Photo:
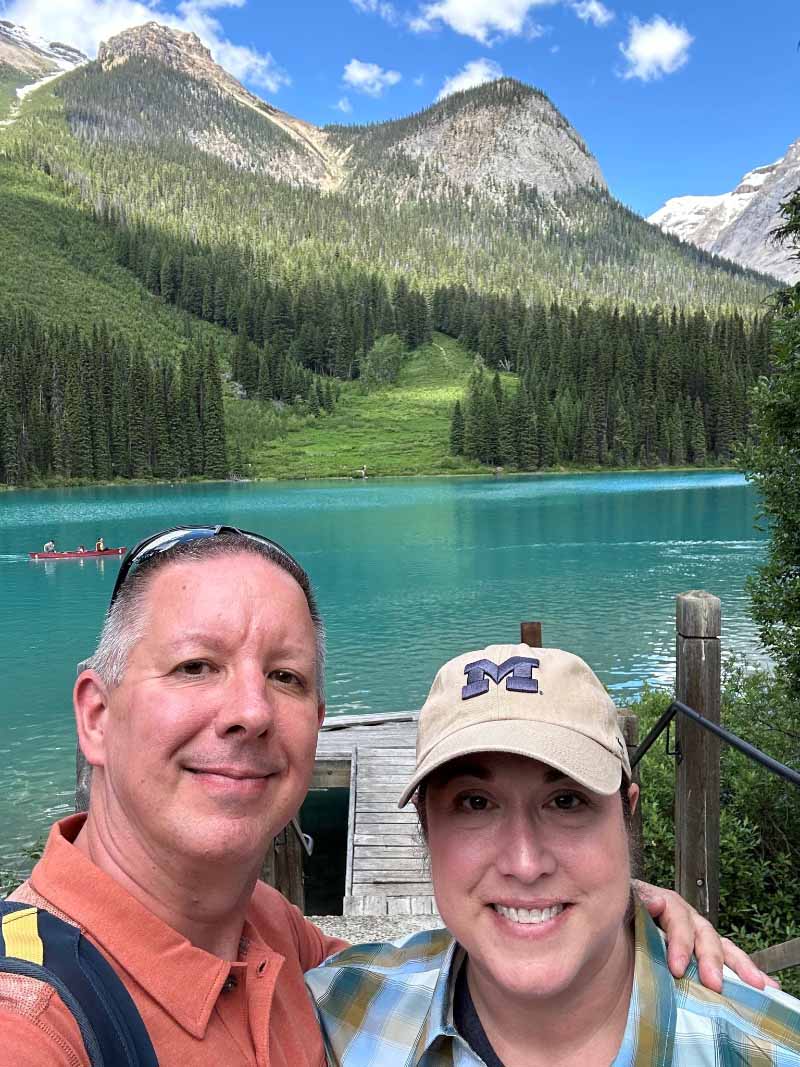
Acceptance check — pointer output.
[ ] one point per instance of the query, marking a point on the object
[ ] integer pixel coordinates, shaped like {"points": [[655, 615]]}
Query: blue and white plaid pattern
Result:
{"points": [[390, 1005]]}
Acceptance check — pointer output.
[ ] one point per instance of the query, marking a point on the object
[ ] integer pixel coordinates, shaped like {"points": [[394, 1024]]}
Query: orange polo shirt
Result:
{"points": [[195, 1015]]}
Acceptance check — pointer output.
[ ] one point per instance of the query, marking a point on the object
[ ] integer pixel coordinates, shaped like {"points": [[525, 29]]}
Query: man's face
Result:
{"points": [[531, 875], [209, 740]]}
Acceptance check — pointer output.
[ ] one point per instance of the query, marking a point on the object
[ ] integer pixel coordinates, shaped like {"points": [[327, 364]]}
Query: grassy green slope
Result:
{"points": [[60, 265], [401, 429], [10, 80]]}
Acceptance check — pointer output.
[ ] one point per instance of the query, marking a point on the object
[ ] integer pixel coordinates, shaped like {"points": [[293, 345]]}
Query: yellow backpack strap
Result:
{"points": [[21, 938], [36, 944]]}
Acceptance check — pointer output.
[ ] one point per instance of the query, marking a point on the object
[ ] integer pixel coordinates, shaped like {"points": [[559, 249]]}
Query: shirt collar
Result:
{"points": [[439, 1021], [650, 1030], [157, 957]]}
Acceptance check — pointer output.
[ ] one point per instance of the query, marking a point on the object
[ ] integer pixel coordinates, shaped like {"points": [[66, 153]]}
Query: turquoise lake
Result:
{"points": [[408, 573]]}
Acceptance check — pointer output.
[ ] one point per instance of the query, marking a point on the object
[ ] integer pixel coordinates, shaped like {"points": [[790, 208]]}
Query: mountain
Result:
{"points": [[26, 62], [490, 188], [737, 224], [163, 229], [300, 154], [507, 134], [501, 135], [24, 51]]}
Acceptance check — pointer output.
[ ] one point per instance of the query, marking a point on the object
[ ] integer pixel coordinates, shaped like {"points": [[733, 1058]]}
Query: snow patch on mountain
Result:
{"points": [[32, 54], [738, 224]]}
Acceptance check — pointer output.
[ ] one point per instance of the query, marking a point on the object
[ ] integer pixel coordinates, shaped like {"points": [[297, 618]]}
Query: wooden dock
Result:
{"points": [[373, 756]]}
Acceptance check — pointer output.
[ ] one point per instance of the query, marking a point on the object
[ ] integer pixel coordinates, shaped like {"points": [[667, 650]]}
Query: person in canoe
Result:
{"points": [[49, 546], [100, 545]]}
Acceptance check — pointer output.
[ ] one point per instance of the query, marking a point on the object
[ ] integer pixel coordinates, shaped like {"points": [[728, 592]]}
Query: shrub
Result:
{"points": [[759, 828]]}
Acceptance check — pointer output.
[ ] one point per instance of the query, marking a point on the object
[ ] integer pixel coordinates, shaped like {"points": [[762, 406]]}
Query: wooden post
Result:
{"points": [[629, 725], [283, 867], [530, 633], [698, 684]]}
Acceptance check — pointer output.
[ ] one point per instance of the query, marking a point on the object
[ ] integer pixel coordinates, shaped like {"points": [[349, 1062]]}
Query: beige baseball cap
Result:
{"points": [[538, 702]]}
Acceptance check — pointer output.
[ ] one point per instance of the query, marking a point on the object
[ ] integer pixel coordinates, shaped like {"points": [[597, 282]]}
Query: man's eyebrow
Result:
{"points": [[195, 637], [192, 640]]}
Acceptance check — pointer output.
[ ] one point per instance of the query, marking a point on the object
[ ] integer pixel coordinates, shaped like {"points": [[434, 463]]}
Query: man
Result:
{"points": [[49, 546], [199, 714]]}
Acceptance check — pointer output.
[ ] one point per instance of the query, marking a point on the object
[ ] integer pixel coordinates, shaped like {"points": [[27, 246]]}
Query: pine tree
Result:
{"points": [[698, 439], [509, 428], [457, 431], [215, 463]]}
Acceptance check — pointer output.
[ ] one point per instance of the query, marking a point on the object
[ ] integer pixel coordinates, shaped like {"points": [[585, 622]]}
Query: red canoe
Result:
{"points": [[78, 555]]}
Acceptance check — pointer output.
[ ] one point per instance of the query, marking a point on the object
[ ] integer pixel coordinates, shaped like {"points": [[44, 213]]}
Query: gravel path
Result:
{"points": [[357, 928]]}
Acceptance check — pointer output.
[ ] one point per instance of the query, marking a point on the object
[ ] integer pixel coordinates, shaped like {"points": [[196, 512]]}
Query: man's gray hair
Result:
{"points": [[125, 622]]}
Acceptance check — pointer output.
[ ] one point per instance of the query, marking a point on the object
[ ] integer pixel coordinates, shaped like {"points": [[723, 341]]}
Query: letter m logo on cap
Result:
{"points": [[518, 670]]}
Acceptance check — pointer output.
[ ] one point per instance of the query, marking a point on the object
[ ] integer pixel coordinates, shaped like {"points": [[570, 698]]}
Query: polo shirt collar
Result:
{"points": [[184, 980]]}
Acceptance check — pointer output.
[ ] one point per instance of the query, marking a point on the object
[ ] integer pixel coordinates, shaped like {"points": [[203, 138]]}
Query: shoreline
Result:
{"points": [[499, 472]]}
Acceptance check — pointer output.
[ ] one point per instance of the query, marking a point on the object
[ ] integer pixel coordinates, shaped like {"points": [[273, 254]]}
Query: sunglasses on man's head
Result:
{"points": [[176, 535]]}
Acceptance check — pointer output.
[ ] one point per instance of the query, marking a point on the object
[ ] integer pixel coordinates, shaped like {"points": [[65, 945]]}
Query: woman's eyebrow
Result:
{"points": [[553, 774], [468, 770]]}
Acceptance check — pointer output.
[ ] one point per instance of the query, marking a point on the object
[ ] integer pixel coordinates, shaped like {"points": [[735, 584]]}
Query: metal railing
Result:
{"points": [[777, 957], [753, 753]]}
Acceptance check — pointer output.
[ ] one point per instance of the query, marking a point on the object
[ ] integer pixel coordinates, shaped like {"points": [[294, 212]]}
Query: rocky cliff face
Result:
{"points": [[485, 138], [33, 55], [503, 134], [312, 161], [737, 224]]}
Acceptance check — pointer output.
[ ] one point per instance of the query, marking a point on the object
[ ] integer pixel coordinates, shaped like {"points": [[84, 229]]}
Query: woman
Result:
{"points": [[523, 789]]}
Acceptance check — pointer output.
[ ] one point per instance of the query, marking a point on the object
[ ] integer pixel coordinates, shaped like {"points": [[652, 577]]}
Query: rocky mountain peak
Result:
{"points": [[487, 138], [506, 133], [26, 52], [180, 50], [311, 162], [737, 224]]}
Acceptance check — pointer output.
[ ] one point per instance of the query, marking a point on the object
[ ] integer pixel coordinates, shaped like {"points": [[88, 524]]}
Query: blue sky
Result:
{"points": [[673, 98]]}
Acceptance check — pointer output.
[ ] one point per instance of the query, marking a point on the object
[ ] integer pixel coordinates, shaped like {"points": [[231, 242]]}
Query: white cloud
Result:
{"points": [[369, 77], [343, 105], [383, 8], [655, 48], [479, 18], [477, 72], [85, 23], [419, 80], [593, 11]]}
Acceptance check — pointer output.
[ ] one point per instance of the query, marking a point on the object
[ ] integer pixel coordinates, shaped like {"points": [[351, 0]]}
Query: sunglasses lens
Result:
{"points": [[167, 539]]}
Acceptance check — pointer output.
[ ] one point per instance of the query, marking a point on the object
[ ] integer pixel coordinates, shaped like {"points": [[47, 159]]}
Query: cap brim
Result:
{"points": [[579, 757]]}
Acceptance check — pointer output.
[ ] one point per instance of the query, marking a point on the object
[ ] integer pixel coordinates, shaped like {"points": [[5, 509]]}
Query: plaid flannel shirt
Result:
{"points": [[391, 1005]]}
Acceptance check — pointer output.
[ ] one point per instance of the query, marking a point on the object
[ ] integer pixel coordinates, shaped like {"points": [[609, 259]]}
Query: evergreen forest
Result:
{"points": [[91, 408], [230, 290]]}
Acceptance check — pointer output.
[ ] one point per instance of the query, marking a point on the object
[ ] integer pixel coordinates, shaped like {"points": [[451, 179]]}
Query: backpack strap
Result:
{"points": [[36, 944]]}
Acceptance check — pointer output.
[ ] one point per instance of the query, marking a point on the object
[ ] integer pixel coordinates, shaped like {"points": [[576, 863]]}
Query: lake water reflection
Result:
{"points": [[408, 572]]}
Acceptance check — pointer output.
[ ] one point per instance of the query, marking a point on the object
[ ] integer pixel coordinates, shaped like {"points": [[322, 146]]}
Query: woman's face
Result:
{"points": [[531, 873]]}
